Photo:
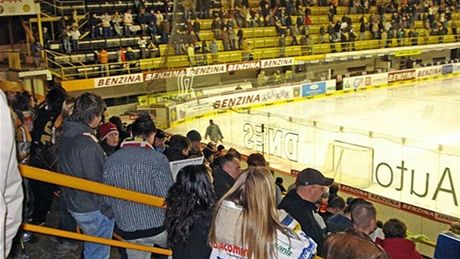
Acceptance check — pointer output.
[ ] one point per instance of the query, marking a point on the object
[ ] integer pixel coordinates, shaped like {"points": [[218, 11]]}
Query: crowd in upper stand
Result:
{"points": [[214, 208], [293, 21]]}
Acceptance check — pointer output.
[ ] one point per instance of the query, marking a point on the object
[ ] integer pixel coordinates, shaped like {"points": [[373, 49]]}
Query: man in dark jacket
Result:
{"points": [[226, 174], [81, 156], [300, 204]]}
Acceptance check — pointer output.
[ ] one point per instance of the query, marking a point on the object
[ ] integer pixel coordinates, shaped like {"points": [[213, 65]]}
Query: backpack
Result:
{"points": [[45, 140]]}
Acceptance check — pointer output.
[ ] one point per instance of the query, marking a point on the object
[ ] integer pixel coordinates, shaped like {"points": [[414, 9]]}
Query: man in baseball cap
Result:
{"points": [[300, 203]]}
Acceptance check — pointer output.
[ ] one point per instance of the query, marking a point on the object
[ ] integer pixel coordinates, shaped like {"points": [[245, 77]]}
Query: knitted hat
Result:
{"points": [[106, 129]]}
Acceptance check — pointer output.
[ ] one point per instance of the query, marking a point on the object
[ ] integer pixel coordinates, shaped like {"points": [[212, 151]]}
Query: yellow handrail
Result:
{"points": [[93, 187], [89, 186], [99, 240]]}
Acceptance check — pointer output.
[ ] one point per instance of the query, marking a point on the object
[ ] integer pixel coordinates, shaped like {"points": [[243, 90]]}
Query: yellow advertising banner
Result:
{"points": [[405, 53], [78, 85]]}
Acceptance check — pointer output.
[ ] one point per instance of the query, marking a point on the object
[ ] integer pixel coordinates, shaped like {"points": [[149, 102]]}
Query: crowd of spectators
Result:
{"points": [[209, 199], [293, 20]]}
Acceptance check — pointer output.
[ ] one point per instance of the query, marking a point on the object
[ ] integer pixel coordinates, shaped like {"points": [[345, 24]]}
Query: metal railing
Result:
{"points": [[60, 8], [97, 188], [176, 61], [106, 190]]}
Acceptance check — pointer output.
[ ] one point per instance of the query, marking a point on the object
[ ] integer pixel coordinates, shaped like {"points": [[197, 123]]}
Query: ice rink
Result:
{"points": [[400, 142], [426, 111]]}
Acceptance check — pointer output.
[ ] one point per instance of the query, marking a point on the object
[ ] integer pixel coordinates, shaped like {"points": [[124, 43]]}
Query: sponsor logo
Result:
{"points": [[418, 210], [235, 101], [232, 249], [379, 79], [119, 80], [445, 218], [243, 66], [278, 62], [401, 75], [278, 142], [425, 72], [284, 250], [206, 70], [447, 69], [314, 89], [184, 84], [354, 191], [386, 201], [274, 94], [164, 74]]}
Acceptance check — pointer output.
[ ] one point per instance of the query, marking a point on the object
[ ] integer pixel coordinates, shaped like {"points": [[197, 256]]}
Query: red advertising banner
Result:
{"points": [[402, 75]]}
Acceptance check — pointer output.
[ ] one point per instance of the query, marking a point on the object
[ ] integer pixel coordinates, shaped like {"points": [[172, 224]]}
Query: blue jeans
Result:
{"points": [[95, 224]]}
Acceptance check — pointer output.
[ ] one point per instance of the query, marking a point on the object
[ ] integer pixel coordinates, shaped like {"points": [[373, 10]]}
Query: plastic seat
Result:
{"points": [[447, 246]]}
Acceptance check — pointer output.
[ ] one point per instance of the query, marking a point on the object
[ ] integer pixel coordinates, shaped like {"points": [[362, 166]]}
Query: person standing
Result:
{"points": [[225, 174], [104, 60], [300, 203], [11, 194], [138, 167], [75, 36], [247, 225], [109, 138], [189, 207], [195, 139], [80, 155], [213, 132]]}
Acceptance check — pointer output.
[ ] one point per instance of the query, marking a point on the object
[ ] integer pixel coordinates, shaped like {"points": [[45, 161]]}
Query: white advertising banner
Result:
{"points": [[19, 7], [118, 80], [357, 82], [206, 70], [243, 66], [416, 176], [277, 62], [429, 71], [200, 106], [176, 166]]}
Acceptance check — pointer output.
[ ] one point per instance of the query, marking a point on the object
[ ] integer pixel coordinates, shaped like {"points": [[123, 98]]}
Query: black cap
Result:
{"points": [[312, 176]]}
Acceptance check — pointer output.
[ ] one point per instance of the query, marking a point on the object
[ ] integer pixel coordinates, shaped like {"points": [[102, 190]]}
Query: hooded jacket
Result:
{"points": [[81, 156], [303, 211]]}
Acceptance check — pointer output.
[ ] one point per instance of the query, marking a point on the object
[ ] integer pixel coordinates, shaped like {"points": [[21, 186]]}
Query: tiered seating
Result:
{"points": [[263, 40]]}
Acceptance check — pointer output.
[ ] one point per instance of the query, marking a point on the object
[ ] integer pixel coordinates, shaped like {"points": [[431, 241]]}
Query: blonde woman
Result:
{"points": [[247, 225]]}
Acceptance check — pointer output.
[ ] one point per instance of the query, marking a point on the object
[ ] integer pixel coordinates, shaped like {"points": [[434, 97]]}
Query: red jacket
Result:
{"points": [[399, 248]]}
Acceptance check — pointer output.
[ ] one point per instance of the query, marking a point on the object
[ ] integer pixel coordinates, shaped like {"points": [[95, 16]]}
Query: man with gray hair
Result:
{"points": [[355, 242]]}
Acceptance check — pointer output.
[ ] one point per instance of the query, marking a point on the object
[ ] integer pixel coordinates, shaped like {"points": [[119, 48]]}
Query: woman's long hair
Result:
{"points": [[191, 197], [254, 192]]}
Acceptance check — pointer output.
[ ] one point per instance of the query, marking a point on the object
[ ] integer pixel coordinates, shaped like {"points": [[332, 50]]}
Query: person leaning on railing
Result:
{"points": [[81, 156], [138, 167]]}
